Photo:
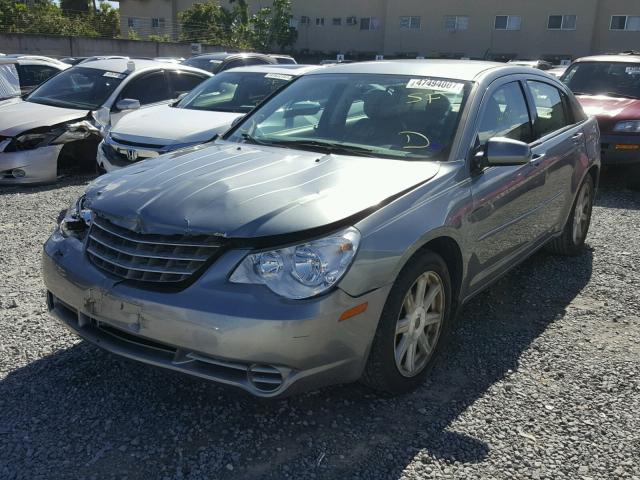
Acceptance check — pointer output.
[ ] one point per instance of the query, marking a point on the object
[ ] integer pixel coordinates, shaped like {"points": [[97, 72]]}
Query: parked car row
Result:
{"points": [[283, 227]]}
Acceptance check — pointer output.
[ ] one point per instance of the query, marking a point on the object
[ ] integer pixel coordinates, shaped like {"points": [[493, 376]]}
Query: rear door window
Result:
{"points": [[551, 105], [183, 82], [148, 88], [34, 75]]}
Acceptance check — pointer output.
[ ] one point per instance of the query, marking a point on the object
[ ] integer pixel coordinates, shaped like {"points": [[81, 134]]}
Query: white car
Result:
{"points": [[58, 126], [199, 117], [36, 69]]}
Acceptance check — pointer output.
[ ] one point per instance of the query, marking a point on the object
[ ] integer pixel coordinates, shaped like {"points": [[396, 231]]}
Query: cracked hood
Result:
{"points": [[248, 191], [19, 116], [165, 125]]}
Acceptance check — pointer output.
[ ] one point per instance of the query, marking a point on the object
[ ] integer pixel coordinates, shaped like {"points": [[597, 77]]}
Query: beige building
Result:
{"points": [[553, 29]]}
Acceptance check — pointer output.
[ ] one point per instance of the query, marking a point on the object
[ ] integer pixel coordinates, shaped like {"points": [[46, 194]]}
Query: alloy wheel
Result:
{"points": [[419, 324], [582, 213]]}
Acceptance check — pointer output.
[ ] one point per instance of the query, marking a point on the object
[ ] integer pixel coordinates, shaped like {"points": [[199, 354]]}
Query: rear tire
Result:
{"points": [[574, 234], [414, 325]]}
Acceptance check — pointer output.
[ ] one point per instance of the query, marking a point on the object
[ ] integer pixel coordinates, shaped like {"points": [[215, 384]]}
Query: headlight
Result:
{"points": [[304, 270], [76, 219], [628, 126], [29, 141]]}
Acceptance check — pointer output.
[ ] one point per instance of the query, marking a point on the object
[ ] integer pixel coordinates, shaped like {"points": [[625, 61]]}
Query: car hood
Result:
{"points": [[247, 191], [603, 106], [19, 116], [165, 125]]}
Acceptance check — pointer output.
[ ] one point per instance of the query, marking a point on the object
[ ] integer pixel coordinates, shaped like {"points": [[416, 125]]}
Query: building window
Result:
{"points": [[454, 23], [370, 23], [304, 20], [157, 23], [412, 23], [508, 22], [319, 21], [625, 22], [562, 22], [337, 21], [352, 21]]}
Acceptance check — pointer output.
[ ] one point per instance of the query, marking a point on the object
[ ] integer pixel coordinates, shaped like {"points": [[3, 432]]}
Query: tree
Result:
{"points": [[204, 22], [283, 34], [236, 28]]}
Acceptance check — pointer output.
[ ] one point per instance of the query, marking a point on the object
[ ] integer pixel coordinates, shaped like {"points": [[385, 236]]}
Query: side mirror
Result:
{"points": [[501, 151], [237, 120], [302, 108], [128, 104]]}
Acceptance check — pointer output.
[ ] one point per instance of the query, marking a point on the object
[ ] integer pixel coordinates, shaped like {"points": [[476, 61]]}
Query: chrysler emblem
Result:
{"points": [[132, 155]]}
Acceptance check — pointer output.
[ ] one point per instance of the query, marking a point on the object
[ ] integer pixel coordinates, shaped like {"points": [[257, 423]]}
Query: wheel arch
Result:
{"points": [[448, 248]]}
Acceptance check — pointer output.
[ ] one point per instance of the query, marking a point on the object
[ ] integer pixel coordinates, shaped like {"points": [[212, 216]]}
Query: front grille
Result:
{"points": [[148, 257]]}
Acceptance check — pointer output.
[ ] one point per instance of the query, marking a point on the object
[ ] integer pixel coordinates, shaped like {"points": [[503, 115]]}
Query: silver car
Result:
{"points": [[205, 112], [332, 234]]}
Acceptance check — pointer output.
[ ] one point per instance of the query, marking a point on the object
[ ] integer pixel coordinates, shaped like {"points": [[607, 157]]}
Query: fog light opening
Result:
{"points": [[18, 173], [264, 377]]}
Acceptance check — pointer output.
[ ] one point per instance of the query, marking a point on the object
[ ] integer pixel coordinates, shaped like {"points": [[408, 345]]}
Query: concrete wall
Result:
{"points": [[606, 40], [62, 46], [533, 40]]}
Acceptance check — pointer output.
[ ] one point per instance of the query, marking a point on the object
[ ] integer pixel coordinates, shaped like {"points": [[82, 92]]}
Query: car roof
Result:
{"points": [[457, 69], [8, 61], [225, 55], [119, 65], [614, 57], [290, 69], [39, 58]]}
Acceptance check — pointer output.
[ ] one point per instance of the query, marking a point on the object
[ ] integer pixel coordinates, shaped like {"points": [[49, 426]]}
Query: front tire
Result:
{"points": [[574, 234], [413, 326]]}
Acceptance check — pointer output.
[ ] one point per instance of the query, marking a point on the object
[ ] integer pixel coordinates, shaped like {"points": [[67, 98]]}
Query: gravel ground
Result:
{"points": [[541, 380]]}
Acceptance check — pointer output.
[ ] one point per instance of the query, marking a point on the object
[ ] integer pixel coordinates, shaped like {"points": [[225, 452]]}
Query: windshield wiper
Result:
{"points": [[327, 147], [248, 138]]}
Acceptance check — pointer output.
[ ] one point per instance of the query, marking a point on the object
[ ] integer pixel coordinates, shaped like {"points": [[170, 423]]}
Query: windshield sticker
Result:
{"points": [[432, 84], [632, 70], [113, 75], [279, 76]]}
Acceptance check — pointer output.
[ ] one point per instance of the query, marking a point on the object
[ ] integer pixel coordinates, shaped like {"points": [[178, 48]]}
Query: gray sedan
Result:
{"points": [[334, 232]]}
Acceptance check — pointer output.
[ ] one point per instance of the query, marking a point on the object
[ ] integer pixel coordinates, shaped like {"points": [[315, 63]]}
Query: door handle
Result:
{"points": [[577, 137], [536, 159]]}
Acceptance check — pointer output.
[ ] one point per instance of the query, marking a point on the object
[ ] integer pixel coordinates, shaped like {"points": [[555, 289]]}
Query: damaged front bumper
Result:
{"points": [[39, 165], [239, 335]]}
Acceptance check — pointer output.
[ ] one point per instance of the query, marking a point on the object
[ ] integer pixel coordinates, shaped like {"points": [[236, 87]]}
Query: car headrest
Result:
{"points": [[379, 104]]}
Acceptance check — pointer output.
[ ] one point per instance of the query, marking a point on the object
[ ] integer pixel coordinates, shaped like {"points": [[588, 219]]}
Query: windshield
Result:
{"points": [[9, 83], [615, 79], [78, 87], [202, 63], [394, 116], [233, 91]]}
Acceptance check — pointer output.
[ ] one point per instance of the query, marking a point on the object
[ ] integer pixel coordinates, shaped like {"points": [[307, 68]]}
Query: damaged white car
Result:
{"points": [[58, 126]]}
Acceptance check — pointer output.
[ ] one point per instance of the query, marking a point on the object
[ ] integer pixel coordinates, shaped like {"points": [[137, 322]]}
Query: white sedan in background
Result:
{"points": [[58, 126], [198, 117]]}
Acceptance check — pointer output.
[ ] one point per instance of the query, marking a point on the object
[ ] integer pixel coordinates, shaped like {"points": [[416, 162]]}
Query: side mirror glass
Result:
{"points": [[501, 151], [128, 104]]}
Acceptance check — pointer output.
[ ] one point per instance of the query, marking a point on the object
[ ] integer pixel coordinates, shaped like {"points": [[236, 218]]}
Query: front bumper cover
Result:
{"points": [[234, 334], [620, 149], [40, 165]]}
